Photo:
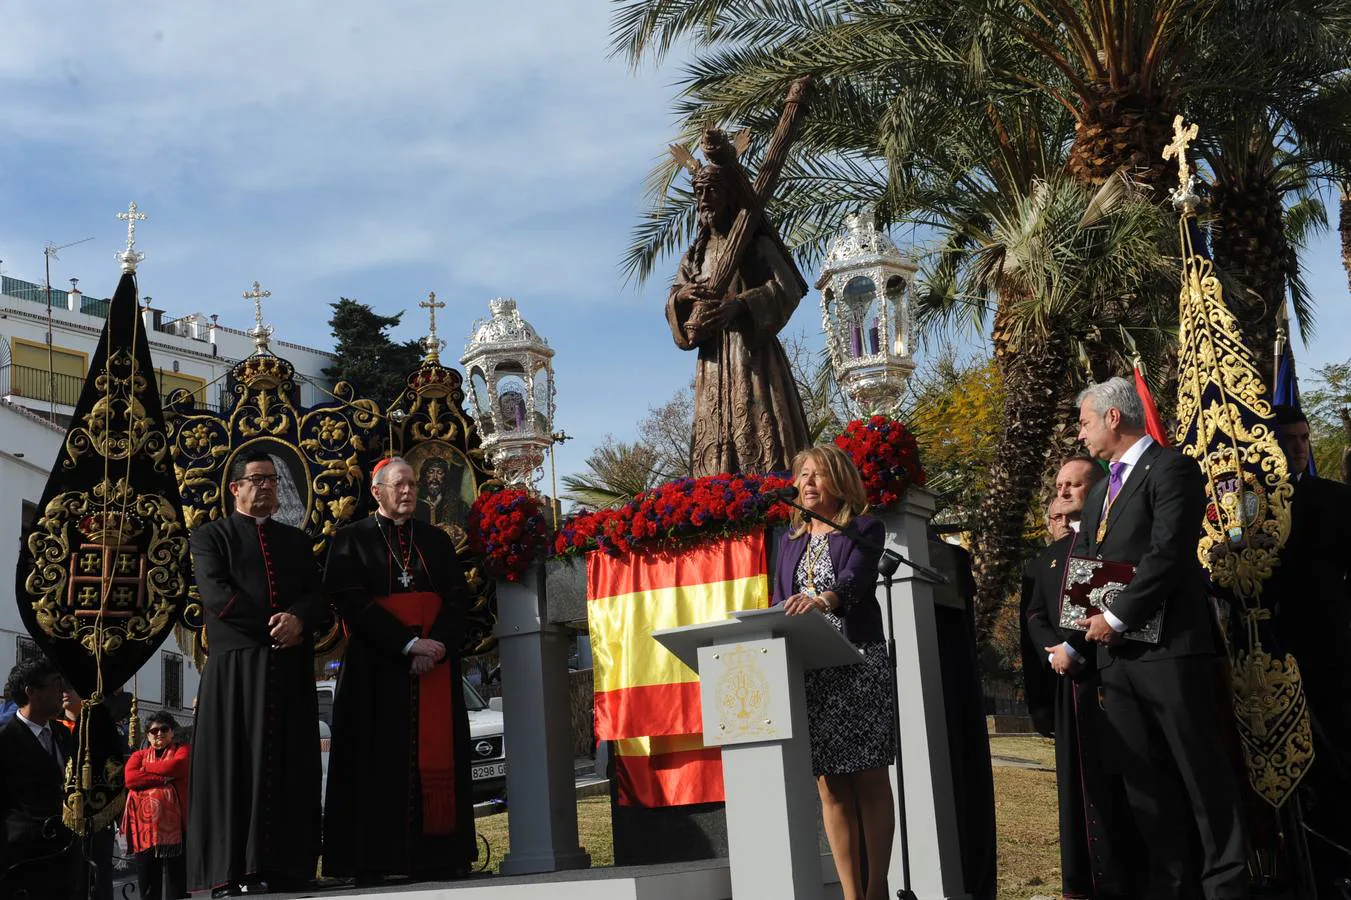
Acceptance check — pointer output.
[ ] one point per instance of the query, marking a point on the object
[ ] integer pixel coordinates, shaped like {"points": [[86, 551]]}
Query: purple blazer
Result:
{"points": [[855, 578]]}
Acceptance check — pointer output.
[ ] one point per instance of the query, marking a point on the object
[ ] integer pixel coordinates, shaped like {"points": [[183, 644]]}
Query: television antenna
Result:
{"points": [[49, 253]]}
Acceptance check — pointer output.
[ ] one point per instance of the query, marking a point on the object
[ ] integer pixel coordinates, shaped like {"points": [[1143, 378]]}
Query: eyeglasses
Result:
{"points": [[260, 480], [159, 730]]}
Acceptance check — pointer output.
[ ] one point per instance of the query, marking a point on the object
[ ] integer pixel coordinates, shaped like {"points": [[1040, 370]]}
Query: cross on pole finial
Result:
{"points": [[1182, 138], [260, 332], [131, 256], [432, 343]]}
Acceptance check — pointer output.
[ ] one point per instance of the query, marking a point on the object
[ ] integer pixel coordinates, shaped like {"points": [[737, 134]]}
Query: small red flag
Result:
{"points": [[1153, 424]]}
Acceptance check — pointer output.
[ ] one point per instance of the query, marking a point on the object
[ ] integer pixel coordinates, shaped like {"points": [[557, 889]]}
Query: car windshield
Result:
{"points": [[473, 700]]}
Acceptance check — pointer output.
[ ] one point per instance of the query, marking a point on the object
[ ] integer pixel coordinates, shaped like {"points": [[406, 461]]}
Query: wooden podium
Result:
{"points": [[751, 669]]}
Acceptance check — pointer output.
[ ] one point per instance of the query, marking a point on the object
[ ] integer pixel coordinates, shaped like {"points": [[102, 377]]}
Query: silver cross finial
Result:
{"points": [[431, 343], [130, 257], [260, 332]]}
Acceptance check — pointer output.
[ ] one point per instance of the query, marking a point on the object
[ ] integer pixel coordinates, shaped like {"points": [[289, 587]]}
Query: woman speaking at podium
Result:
{"points": [[849, 707]]}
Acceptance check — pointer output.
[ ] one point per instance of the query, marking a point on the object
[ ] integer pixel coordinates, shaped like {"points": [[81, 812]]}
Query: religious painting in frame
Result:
{"points": [[446, 486]]}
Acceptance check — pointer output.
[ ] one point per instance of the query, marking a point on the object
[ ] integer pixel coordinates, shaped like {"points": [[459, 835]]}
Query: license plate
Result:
{"points": [[488, 770]]}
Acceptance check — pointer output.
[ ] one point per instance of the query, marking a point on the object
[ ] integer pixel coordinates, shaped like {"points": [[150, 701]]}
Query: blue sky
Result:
{"points": [[375, 152]]}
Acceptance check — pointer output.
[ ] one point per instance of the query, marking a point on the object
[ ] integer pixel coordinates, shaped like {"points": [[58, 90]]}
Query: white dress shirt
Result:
{"points": [[1129, 458], [46, 739]]}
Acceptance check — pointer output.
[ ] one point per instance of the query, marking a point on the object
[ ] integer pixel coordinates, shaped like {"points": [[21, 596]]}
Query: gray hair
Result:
{"points": [[379, 477], [1119, 394]]}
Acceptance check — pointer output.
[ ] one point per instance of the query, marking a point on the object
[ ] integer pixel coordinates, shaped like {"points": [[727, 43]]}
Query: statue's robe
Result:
{"points": [[253, 809], [747, 412], [399, 791]]}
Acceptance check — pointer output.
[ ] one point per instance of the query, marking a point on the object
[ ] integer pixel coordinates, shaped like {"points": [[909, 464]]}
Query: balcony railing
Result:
{"points": [[39, 385]]}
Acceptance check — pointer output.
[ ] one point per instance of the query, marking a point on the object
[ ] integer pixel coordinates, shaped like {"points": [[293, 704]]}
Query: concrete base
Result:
{"points": [[702, 880]]}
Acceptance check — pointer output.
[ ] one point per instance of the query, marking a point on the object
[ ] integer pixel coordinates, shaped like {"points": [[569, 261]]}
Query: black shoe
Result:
{"points": [[256, 886], [229, 889]]}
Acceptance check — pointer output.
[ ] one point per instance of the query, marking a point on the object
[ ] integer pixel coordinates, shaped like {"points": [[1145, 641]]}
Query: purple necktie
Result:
{"points": [[1114, 480]]}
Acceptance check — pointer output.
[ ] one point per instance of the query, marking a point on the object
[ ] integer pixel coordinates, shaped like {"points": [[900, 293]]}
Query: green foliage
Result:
{"points": [[954, 407], [1327, 407], [616, 473], [375, 366]]}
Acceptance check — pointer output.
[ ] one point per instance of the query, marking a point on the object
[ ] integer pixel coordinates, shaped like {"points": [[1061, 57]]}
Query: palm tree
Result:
{"points": [[617, 472], [1344, 227]]}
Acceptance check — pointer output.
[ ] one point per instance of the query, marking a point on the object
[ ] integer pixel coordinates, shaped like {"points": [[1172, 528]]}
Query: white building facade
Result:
{"points": [[44, 358]]}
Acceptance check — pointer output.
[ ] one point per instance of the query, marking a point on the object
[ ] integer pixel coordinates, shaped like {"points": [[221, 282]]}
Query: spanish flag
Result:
{"points": [[647, 700]]}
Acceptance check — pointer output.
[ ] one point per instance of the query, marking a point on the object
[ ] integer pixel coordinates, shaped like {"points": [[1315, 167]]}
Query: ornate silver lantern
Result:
{"points": [[865, 289], [511, 378]]}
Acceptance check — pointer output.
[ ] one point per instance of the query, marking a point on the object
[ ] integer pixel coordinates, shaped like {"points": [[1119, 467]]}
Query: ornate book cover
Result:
{"points": [[1089, 588]]}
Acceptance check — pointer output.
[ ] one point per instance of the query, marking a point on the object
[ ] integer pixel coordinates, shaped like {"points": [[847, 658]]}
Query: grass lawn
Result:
{"points": [[1025, 809]]}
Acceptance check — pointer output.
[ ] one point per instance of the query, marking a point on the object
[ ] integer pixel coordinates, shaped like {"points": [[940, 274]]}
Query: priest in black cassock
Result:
{"points": [[399, 793], [253, 808], [1062, 686]]}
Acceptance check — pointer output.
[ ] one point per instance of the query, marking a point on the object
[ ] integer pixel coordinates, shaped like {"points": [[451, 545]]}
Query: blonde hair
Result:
{"points": [[843, 479]]}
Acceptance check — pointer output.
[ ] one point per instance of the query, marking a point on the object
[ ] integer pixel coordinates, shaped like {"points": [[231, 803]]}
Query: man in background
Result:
{"points": [[1311, 595], [39, 857]]}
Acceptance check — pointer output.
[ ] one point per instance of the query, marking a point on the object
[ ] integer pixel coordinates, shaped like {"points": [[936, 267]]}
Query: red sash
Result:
{"points": [[435, 727]]}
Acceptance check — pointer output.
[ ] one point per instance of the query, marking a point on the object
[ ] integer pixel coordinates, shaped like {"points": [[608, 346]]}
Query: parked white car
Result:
{"points": [[487, 743]]}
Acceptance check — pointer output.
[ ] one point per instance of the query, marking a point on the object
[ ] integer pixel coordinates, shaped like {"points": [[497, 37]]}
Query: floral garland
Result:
{"points": [[508, 531], [886, 455], [675, 513]]}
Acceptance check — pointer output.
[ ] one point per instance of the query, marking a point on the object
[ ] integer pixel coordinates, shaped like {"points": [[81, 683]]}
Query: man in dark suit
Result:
{"points": [[1160, 698], [39, 855], [1311, 595]]}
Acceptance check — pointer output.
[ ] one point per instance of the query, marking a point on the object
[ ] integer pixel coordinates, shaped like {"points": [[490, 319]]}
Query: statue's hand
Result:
{"points": [[724, 313], [694, 292]]}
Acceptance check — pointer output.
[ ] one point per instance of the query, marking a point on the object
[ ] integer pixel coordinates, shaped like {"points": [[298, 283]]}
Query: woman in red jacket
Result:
{"points": [[155, 823]]}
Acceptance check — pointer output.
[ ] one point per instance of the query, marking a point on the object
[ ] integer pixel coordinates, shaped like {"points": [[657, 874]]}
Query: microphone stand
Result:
{"points": [[887, 564]]}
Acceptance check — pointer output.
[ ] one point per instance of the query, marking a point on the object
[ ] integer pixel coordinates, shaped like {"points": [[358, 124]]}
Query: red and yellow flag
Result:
{"points": [[647, 701]]}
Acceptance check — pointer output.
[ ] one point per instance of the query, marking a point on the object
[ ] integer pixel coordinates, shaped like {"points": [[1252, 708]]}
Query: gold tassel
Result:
{"points": [[134, 726]]}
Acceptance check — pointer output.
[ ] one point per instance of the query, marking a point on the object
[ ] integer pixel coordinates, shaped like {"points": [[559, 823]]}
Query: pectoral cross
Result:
{"points": [[432, 343], [260, 332], [405, 579], [131, 256]]}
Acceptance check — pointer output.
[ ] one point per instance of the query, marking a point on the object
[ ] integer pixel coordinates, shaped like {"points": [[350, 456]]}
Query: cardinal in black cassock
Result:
{"points": [[253, 808], [399, 793], [1095, 828]]}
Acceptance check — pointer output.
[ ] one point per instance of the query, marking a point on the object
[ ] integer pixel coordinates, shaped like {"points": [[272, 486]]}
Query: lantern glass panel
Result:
{"points": [[482, 403], [859, 296], [511, 401], [895, 293], [541, 404]]}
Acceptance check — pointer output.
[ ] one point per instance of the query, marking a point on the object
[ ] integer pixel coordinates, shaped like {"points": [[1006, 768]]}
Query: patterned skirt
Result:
{"points": [[849, 714]]}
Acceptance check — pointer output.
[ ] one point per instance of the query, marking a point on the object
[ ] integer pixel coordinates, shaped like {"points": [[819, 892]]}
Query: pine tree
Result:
{"points": [[375, 366]]}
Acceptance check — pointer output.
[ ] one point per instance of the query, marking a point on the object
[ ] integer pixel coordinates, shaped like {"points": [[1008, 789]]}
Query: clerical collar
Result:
{"points": [[260, 520], [394, 522]]}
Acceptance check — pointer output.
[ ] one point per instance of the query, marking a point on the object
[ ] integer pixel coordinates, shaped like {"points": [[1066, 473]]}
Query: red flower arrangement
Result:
{"points": [[508, 531], [675, 513], [886, 455]]}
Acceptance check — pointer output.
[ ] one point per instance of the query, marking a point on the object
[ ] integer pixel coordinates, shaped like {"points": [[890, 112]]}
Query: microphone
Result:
{"points": [[780, 494]]}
